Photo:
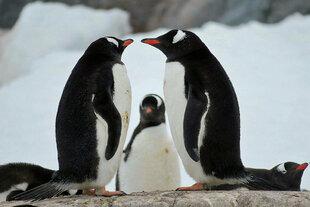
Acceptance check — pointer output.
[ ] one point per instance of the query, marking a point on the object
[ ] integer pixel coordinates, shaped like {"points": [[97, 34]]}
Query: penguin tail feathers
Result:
{"points": [[253, 182], [46, 190]]}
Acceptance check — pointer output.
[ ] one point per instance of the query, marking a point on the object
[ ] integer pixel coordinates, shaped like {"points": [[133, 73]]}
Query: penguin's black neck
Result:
{"points": [[142, 125], [97, 59], [146, 124]]}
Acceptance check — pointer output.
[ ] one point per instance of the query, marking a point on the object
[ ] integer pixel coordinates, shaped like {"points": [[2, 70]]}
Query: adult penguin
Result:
{"points": [[203, 113], [287, 174], [91, 123]]}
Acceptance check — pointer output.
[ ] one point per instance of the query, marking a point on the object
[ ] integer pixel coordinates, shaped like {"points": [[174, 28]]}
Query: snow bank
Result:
{"points": [[267, 64], [48, 27]]}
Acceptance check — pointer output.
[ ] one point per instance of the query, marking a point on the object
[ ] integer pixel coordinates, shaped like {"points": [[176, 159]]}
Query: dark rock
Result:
{"points": [[147, 15], [194, 13], [267, 11], [10, 10]]}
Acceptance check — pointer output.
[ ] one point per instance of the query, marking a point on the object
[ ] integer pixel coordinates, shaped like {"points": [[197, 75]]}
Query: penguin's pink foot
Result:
{"points": [[197, 186], [103, 192], [89, 191]]}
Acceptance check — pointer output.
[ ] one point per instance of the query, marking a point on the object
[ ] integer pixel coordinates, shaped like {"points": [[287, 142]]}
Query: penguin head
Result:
{"points": [[289, 174], [152, 109], [108, 47], [176, 43]]}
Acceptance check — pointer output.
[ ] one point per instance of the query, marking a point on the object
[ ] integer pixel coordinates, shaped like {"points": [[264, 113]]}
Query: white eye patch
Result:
{"points": [[281, 168], [159, 101], [112, 41], [180, 35]]}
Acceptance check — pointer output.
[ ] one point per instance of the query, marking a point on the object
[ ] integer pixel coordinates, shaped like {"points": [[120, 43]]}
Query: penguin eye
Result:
{"points": [[112, 41], [179, 36]]}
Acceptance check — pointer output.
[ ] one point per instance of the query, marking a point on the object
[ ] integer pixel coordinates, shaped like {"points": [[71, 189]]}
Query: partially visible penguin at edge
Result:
{"points": [[287, 174], [150, 161], [16, 178]]}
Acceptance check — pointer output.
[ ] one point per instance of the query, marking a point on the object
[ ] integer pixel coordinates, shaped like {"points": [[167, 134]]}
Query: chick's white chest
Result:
{"points": [[152, 163]]}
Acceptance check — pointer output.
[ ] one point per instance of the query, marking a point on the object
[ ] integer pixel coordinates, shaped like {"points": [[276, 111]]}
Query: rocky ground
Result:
{"points": [[177, 198]]}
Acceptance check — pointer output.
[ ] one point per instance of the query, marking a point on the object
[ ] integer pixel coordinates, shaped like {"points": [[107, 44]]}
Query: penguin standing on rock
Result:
{"points": [[91, 123], [150, 161], [203, 113]]}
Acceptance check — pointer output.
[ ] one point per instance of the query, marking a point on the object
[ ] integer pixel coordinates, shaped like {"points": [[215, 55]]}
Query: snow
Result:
{"points": [[44, 28], [267, 64]]}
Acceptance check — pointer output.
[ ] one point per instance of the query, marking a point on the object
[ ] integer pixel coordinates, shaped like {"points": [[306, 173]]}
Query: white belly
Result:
{"points": [[152, 164], [174, 89], [122, 101]]}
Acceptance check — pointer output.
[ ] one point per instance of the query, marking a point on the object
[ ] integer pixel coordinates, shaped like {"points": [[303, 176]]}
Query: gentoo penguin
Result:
{"points": [[287, 174], [19, 177], [91, 123], [150, 161], [203, 113]]}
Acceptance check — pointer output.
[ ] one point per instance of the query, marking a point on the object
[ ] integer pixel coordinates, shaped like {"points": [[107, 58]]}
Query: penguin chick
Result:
{"points": [[150, 161]]}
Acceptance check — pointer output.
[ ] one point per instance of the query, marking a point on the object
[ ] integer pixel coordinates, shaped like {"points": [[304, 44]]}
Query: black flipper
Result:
{"points": [[47, 190], [105, 107], [195, 108], [12, 194]]}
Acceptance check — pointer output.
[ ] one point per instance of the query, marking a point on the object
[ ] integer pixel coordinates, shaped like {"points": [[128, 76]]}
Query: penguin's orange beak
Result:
{"points": [[149, 110], [302, 166], [150, 41], [127, 42]]}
